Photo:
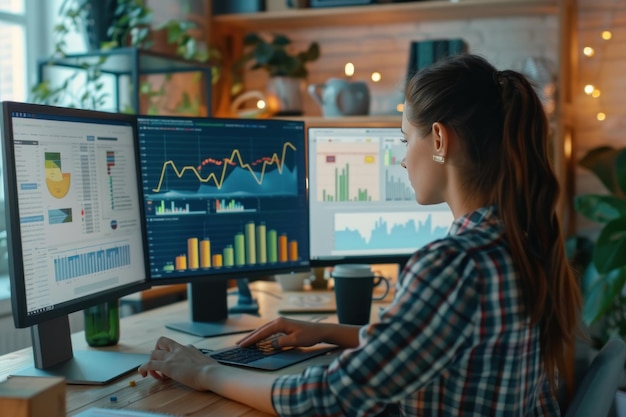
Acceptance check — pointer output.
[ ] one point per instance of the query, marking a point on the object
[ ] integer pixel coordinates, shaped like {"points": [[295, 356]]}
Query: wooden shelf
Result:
{"points": [[383, 13], [353, 121]]}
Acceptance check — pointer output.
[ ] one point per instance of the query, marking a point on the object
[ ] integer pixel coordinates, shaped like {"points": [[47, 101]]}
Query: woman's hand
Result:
{"points": [[185, 364], [284, 332]]}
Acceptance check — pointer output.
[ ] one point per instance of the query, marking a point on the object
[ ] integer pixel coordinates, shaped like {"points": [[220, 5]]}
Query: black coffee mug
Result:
{"points": [[354, 284]]}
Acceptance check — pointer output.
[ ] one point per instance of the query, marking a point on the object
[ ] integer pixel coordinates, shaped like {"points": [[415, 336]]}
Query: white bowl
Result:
{"points": [[293, 281]]}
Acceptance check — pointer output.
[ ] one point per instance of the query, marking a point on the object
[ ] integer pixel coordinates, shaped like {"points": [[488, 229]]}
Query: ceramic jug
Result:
{"points": [[339, 97]]}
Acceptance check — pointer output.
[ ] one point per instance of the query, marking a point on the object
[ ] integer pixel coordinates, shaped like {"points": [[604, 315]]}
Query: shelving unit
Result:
{"points": [[126, 66], [382, 13]]}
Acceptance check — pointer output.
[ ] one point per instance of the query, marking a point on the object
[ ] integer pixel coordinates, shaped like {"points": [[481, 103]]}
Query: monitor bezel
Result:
{"points": [[367, 259], [21, 317]]}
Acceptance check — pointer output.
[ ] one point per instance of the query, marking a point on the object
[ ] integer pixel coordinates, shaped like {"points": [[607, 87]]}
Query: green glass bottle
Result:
{"points": [[102, 324]]}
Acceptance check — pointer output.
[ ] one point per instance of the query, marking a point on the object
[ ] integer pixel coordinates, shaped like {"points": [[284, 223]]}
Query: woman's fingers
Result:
{"points": [[261, 333], [283, 332], [165, 343]]}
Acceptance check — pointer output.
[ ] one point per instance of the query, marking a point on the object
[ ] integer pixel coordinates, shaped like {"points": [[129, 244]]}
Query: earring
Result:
{"points": [[439, 159]]}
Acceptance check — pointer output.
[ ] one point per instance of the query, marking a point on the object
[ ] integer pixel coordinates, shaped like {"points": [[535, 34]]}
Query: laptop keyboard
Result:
{"points": [[244, 355], [265, 357]]}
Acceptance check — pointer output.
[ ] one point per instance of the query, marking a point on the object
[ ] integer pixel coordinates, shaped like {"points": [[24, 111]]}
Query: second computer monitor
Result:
{"points": [[224, 198], [361, 203]]}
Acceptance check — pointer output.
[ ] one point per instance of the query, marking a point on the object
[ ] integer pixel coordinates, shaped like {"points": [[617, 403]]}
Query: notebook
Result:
{"points": [[252, 357], [308, 303]]}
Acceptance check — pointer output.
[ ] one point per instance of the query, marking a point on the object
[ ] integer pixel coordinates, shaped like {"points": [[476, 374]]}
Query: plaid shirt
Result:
{"points": [[455, 341]]}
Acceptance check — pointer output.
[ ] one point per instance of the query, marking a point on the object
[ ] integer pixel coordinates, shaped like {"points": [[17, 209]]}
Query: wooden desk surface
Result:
{"points": [[138, 334]]}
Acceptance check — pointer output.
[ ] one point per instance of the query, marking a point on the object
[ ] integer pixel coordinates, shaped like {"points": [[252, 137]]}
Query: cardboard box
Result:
{"points": [[33, 396]]}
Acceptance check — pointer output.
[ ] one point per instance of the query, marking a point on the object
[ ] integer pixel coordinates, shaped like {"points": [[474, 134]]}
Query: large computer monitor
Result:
{"points": [[362, 206], [224, 199], [74, 227]]}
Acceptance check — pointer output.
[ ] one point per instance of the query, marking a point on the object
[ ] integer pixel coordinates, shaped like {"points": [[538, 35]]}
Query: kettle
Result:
{"points": [[339, 97]]}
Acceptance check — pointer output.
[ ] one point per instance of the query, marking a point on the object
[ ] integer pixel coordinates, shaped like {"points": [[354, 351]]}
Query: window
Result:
{"points": [[25, 28], [13, 50], [13, 86]]}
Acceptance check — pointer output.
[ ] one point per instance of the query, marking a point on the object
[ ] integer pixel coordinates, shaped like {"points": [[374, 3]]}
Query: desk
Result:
{"points": [[138, 334]]}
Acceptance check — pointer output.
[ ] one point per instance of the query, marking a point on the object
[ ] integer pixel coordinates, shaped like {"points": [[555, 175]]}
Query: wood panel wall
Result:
{"points": [[606, 70]]}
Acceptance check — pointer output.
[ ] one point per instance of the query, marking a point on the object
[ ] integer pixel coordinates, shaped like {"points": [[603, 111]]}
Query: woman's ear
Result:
{"points": [[440, 140]]}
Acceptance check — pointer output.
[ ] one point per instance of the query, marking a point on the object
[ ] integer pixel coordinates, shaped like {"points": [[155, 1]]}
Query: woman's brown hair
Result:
{"points": [[505, 134]]}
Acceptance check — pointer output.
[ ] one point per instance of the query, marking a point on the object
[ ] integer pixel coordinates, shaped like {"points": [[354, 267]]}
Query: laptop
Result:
{"points": [[256, 358]]}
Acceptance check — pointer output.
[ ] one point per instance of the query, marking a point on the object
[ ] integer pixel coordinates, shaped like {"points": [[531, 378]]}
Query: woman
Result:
{"points": [[482, 318]]}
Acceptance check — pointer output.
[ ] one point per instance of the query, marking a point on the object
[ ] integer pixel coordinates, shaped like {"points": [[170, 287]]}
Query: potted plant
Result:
{"points": [[601, 264], [128, 24], [286, 69], [604, 278]]}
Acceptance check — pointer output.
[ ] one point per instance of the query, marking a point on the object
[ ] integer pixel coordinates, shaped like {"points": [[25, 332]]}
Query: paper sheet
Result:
{"points": [[117, 412]]}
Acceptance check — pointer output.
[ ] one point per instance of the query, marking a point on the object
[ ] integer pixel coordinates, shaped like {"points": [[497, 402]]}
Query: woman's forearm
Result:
{"points": [[250, 388], [342, 335]]}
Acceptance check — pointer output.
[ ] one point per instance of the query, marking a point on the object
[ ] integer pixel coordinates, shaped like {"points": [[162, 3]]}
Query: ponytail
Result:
{"points": [[527, 196]]}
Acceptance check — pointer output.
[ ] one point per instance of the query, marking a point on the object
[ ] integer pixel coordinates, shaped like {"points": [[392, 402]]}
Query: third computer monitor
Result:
{"points": [[362, 206], [224, 198]]}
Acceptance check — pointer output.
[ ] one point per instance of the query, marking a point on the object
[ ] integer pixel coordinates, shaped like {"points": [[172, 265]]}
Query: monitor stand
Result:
{"points": [[210, 315], [54, 356], [245, 302]]}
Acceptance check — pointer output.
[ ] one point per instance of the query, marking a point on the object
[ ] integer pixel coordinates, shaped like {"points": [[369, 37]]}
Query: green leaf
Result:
{"points": [[264, 53], [313, 52], [600, 208], [589, 278], [216, 74], [252, 39], [601, 161], [105, 46], [173, 33], [620, 170], [281, 40], [579, 250], [610, 250], [599, 299], [203, 56]]}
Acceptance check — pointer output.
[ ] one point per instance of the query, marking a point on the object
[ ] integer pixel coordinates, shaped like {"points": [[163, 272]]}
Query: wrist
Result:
{"points": [[207, 378], [341, 335]]}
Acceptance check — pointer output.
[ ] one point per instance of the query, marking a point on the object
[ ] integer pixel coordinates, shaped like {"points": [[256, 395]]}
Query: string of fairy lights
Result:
{"points": [[591, 51]]}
